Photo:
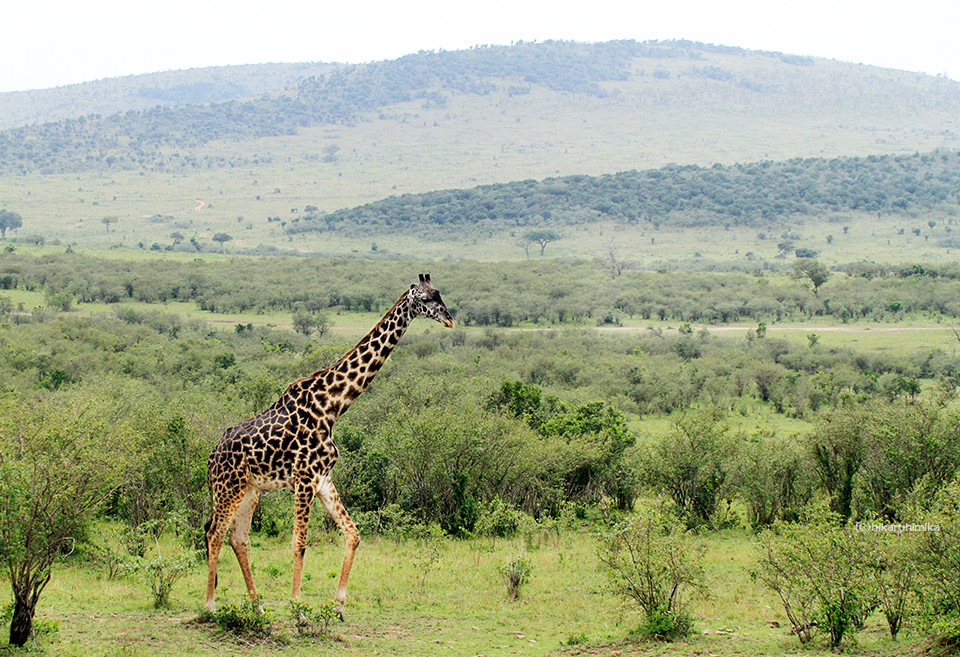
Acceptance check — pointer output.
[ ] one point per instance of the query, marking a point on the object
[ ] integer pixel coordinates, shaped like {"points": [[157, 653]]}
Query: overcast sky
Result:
{"points": [[49, 43]]}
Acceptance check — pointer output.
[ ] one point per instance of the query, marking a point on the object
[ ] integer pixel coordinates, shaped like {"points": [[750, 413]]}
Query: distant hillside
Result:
{"points": [[139, 92], [668, 79], [758, 194]]}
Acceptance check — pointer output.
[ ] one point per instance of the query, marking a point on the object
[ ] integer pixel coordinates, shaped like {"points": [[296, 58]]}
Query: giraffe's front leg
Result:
{"points": [[331, 502], [303, 496]]}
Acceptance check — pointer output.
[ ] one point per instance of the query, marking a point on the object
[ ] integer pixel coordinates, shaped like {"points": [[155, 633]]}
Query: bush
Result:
{"points": [[653, 561], [174, 476], [664, 626], [894, 574], [689, 464], [939, 565], [769, 475], [821, 572], [313, 620], [245, 617], [498, 519], [516, 574], [162, 573], [440, 461]]}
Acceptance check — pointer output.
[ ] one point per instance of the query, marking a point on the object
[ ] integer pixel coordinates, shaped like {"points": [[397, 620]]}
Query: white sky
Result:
{"points": [[49, 43]]}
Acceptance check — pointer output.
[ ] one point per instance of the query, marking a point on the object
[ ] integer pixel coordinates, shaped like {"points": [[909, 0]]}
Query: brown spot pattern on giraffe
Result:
{"points": [[290, 445]]}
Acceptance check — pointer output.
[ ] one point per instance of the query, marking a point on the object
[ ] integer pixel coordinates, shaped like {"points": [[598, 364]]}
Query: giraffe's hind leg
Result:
{"points": [[225, 509], [331, 502], [303, 495], [240, 536]]}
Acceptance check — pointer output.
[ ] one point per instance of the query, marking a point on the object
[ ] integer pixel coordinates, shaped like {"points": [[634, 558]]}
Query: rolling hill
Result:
{"points": [[443, 120], [141, 92]]}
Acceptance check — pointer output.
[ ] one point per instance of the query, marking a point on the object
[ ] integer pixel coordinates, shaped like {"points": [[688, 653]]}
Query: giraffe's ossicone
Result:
{"points": [[290, 445]]}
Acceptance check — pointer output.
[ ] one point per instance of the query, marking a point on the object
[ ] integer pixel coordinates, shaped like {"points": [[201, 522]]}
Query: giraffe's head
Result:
{"points": [[426, 301]]}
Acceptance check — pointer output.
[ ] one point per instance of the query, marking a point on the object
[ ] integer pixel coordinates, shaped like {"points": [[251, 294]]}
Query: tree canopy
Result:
{"points": [[9, 221], [754, 194]]}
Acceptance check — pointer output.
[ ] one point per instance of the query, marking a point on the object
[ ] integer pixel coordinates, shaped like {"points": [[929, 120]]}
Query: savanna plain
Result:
{"points": [[700, 398]]}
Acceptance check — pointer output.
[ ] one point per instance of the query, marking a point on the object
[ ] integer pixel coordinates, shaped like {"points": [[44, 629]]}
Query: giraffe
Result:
{"points": [[290, 445]]}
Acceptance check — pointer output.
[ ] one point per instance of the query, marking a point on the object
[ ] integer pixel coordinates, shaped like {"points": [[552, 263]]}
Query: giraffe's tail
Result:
{"points": [[208, 523], [206, 533]]}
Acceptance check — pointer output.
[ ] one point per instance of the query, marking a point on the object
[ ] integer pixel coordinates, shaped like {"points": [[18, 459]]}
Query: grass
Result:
{"points": [[462, 607]]}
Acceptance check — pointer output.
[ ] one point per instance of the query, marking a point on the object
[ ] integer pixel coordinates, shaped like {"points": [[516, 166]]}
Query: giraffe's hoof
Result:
{"points": [[338, 610]]}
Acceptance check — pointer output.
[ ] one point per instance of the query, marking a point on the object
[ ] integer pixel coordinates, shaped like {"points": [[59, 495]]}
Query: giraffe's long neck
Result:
{"points": [[335, 388]]}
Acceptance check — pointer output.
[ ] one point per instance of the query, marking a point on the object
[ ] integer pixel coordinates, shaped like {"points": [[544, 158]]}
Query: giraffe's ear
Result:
{"points": [[413, 286]]}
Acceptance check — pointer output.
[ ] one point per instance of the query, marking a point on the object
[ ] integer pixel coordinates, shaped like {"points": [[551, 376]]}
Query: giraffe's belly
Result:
{"points": [[269, 476], [269, 483]]}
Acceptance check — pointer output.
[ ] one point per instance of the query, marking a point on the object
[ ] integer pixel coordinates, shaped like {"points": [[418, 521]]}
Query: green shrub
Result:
{"points": [[665, 626], [653, 561], [938, 556], [690, 464], [821, 571], [498, 519], [313, 620], [516, 574], [769, 474], [162, 573], [245, 617]]}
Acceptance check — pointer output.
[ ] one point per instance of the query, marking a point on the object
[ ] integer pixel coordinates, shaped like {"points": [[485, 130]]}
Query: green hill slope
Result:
{"points": [[140, 92], [653, 79], [444, 120], [755, 195]]}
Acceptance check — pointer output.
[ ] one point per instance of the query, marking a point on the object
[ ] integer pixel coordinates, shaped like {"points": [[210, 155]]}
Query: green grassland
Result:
{"points": [[405, 599]]}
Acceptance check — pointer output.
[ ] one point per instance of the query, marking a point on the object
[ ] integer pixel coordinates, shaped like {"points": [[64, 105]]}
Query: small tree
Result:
{"points": [[688, 464], [893, 570], [106, 221], [542, 237], [653, 561], [222, 238], [9, 220], [812, 269], [306, 323], [612, 261], [939, 564], [58, 460]]}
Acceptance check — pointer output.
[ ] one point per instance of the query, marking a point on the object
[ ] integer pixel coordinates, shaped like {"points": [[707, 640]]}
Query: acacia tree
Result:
{"points": [[222, 238], [812, 269], [58, 460], [106, 221], [9, 220], [542, 237], [305, 322]]}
